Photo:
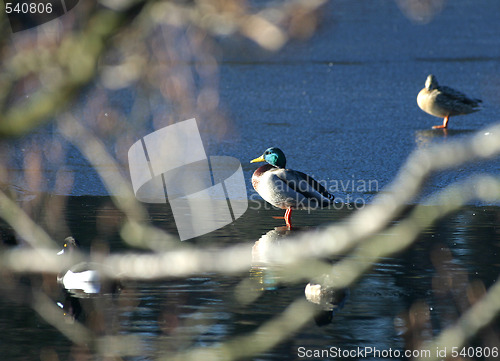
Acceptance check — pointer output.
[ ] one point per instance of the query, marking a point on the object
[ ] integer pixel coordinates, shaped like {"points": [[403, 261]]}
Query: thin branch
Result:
{"points": [[135, 231], [77, 56], [24, 226], [47, 309], [480, 315]]}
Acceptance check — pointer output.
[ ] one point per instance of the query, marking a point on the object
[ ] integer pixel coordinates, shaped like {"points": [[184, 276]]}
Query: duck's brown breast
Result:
{"points": [[258, 173]]}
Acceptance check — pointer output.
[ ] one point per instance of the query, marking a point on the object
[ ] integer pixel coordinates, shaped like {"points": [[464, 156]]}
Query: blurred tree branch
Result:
{"points": [[76, 59], [480, 315], [73, 64]]}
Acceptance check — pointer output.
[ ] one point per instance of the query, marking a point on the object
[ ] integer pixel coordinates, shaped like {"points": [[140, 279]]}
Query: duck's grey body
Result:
{"points": [[444, 102], [289, 189]]}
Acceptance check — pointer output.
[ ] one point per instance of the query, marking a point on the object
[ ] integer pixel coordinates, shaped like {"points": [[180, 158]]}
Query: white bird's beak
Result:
{"points": [[60, 252]]}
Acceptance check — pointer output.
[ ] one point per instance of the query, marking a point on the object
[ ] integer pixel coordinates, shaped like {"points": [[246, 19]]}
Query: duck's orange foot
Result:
{"points": [[288, 218], [444, 125]]}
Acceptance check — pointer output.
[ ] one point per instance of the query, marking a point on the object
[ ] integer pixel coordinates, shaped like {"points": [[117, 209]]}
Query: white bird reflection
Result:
{"points": [[266, 271], [264, 248]]}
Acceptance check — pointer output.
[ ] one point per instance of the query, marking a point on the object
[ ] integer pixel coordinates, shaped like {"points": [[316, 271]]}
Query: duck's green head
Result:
{"points": [[273, 156], [431, 82]]}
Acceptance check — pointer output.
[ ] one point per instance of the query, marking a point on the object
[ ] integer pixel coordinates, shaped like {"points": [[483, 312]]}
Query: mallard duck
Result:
{"points": [[285, 188], [444, 102]]}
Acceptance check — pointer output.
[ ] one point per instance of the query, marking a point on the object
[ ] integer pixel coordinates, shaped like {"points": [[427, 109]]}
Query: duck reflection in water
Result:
{"points": [[428, 137], [267, 244], [265, 267], [71, 306], [266, 270]]}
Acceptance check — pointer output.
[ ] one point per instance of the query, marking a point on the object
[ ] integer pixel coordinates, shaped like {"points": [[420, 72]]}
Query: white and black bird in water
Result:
{"points": [[81, 276], [84, 277], [445, 102]]}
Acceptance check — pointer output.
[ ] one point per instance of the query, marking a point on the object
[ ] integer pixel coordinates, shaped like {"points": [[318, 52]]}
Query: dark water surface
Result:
{"points": [[202, 310]]}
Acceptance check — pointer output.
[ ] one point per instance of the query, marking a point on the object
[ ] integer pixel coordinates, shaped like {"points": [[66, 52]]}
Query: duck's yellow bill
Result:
{"points": [[260, 159]]}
